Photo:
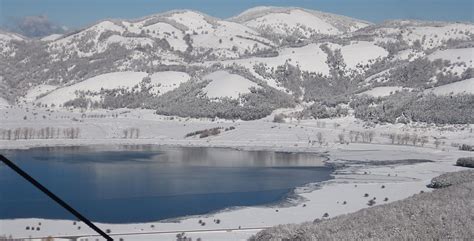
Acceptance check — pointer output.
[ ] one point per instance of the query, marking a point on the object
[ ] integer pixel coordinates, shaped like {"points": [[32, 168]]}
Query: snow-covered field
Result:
{"points": [[166, 81], [382, 91], [350, 183], [361, 52], [95, 84], [224, 84], [460, 87], [3, 102]]}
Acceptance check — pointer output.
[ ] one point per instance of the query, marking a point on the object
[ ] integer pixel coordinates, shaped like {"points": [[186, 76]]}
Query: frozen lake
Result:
{"points": [[130, 184]]}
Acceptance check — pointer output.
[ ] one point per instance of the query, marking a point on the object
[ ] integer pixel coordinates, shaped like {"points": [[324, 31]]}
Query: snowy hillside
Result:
{"points": [[37, 91], [163, 82], [183, 31], [3, 102], [460, 87], [382, 91], [286, 21], [189, 64], [6, 39], [224, 84], [93, 86], [51, 37], [361, 53], [421, 35]]}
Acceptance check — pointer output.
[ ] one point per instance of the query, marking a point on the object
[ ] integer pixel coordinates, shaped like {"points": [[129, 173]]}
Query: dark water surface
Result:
{"points": [[129, 184]]}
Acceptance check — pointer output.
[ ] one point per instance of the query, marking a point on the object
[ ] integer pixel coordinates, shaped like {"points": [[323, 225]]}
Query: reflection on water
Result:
{"points": [[121, 184]]}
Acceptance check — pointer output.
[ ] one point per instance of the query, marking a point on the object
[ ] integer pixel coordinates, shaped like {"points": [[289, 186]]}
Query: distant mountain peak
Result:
{"points": [[285, 20]]}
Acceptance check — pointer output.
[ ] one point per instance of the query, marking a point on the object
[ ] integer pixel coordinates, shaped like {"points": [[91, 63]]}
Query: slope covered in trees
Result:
{"points": [[285, 57]]}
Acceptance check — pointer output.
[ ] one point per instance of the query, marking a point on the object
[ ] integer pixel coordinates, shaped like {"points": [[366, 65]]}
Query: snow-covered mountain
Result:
{"points": [[262, 59], [297, 21], [7, 39], [169, 34]]}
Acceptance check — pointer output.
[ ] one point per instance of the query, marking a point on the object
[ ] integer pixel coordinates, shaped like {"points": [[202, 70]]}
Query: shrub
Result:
{"points": [[465, 147], [465, 162], [279, 118], [206, 132], [449, 179]]}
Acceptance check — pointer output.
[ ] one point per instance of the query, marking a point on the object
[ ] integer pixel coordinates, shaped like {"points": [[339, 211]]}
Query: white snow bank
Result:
{"points": [[95, 84], [382, 91], [5, 36], [166, 81], [460, 87], [361, 52], [3, 102], [224, 84], [284, 23], [51, 37], [465, 55], [38, 90]]}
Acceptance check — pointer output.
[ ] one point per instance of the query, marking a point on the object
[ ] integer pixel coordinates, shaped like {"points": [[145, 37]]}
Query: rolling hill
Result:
{"points": [[248, 61]]}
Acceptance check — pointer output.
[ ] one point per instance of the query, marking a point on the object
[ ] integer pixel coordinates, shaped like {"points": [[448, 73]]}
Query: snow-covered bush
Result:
{"points": [[465, 162]]}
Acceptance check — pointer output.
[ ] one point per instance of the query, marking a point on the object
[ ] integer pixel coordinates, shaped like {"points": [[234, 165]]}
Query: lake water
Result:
{"points": [[129, 184]]}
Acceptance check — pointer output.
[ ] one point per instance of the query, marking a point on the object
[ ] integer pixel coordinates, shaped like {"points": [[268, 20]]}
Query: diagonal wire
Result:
{"points": [[58, 200]]}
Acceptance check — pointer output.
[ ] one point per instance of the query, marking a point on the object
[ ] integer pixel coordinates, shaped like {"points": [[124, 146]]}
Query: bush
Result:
{"points": [[206, 132], [279, 118], [449, 179], [465, 162], [465, 147]]}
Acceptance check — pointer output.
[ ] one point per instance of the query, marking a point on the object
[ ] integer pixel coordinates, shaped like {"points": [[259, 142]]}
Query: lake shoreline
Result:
{"points": [[405, 181]]}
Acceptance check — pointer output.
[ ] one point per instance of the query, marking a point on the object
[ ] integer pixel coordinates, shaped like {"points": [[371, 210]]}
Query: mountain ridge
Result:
{"points": [[275, 58]]}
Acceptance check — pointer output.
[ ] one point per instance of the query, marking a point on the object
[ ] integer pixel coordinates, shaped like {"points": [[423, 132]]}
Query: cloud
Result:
{"points": [[34, 26]]}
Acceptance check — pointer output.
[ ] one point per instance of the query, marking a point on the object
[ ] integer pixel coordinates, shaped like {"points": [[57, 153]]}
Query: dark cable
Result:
{"points": [[54, 197]]}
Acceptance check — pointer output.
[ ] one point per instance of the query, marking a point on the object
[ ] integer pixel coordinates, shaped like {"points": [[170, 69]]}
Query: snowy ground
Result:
{"points": [[350, 183]]}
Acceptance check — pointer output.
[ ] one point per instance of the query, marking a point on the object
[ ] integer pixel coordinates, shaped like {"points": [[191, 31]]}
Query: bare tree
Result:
{"points": [[351, 136], [357, 136], [414, 139], [371, 136], [341, 138], [437, 142], [424, 140], [320, 138]]}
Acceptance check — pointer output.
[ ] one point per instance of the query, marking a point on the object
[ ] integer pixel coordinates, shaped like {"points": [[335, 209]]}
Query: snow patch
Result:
{"points": [[108, 81], [361, 52], [224, 84], [3, 102], [285, 23], [460, 87], [465, 55], [382, 91], [38, 90], [51, 37], [166, 81]]}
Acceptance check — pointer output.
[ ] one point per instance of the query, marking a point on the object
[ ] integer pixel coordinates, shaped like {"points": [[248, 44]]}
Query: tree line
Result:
{"points": [[28, 133]]}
